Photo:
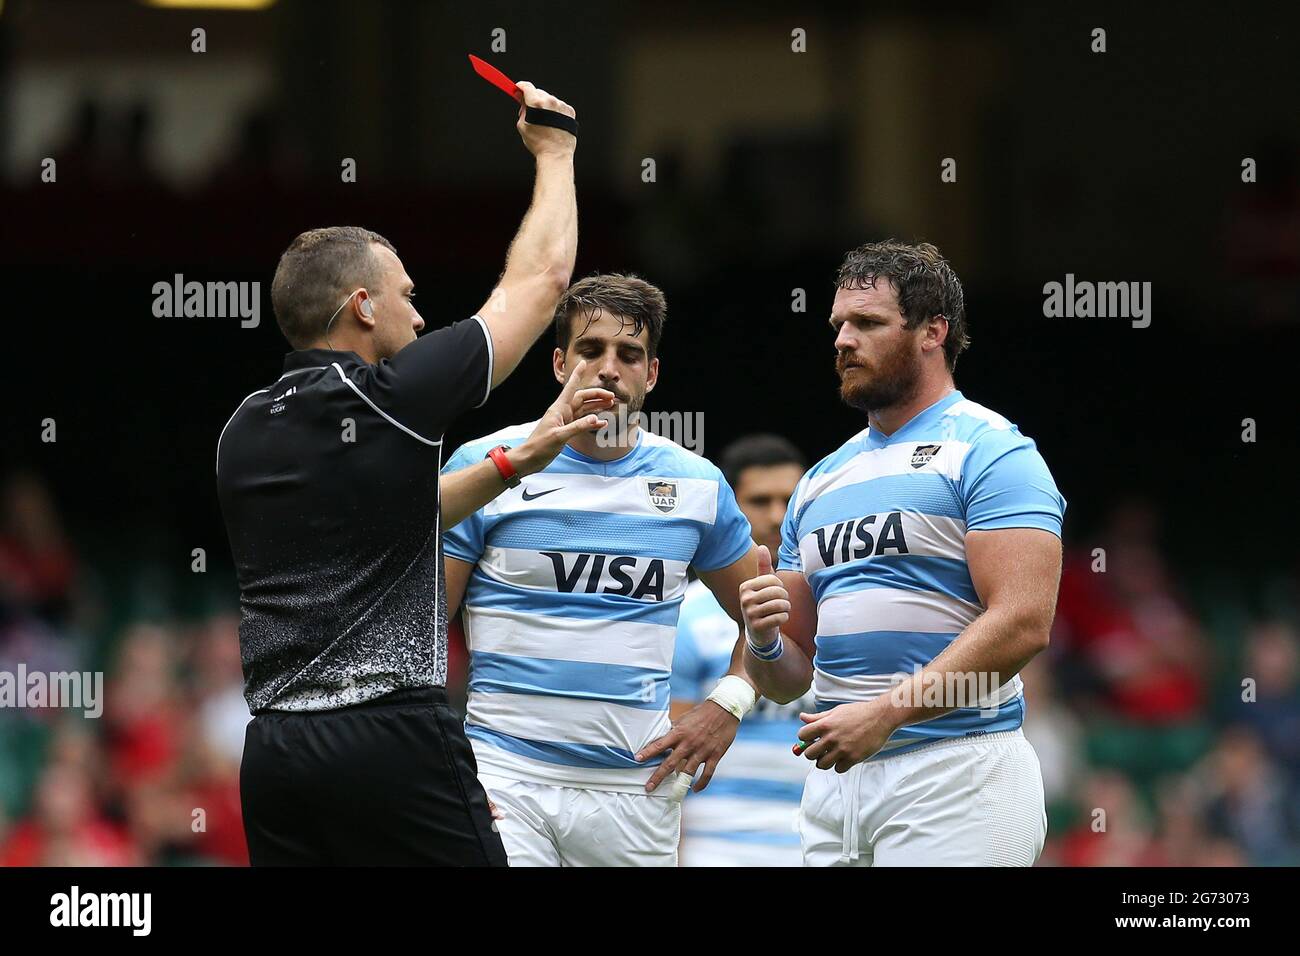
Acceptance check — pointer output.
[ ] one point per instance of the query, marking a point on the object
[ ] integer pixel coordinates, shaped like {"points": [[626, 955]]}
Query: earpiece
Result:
{"points": [[367, 310]]}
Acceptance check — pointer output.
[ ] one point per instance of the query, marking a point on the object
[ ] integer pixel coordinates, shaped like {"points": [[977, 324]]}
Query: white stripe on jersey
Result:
{"points": [[588, 640], [568, 720], [889, 609], [976, 410], [697, 498], [866, 686]]}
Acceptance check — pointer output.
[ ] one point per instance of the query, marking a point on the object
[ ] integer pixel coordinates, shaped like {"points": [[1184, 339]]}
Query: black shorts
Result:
{"points": [[389, 782]]}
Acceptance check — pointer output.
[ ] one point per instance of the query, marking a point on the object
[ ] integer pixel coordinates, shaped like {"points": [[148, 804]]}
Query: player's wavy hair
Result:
{"points": [[318, 269], [924, 282], [627, 296]]}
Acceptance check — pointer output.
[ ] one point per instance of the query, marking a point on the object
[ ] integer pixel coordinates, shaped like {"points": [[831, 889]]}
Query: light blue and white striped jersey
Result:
{"points": [[571, 610], [756, 789], [879, 530]]}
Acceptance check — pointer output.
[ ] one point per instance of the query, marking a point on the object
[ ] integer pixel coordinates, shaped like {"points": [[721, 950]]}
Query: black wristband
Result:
{"points": [[540, 117]]}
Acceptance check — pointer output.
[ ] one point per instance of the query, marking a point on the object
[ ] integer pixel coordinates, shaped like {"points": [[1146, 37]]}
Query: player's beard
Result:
{"points": [[892, 381], [619, 418]]}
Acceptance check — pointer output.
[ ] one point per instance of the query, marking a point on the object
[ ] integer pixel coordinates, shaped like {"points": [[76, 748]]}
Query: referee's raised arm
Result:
{"points": [[541, 257]]}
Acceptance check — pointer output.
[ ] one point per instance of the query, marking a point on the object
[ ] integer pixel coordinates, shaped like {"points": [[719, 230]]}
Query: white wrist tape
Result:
{"points": [[734, 695]]}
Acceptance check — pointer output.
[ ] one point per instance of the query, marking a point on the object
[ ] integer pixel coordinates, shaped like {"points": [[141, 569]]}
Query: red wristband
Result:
{"points": [[504, 468]]}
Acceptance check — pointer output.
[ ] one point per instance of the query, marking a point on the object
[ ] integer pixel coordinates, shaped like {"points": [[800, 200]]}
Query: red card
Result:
{"points": [[494, 76]]}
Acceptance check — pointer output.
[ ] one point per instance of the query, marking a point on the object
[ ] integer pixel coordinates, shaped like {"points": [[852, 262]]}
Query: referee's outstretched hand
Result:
{"points": [[544, 140], [572, 413]]}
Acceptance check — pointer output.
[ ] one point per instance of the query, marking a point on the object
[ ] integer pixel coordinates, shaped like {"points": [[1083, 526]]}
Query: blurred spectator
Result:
{"points": [[1054, 731], [1249, 803], [217, 688], [1272, 649], [65, 827], [1182, 836], [38, 568], [1115, 829], [142, 714], [1128, 627]]}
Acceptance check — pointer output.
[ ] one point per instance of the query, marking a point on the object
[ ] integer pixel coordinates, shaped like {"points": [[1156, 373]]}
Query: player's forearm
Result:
{"points": [[469, 489], [737, 666], [785, 679], [991, 651]]}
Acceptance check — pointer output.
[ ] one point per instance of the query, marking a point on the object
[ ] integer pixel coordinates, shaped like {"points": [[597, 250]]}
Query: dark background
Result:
{"points": [[1122, 166], [1118, 166]]}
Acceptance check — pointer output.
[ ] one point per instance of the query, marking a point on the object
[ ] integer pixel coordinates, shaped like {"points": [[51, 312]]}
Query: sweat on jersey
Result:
{"points": [[879, 527], [571, 609]]}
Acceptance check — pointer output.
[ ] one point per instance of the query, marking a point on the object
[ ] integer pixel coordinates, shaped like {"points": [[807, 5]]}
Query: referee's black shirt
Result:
{"points": [[328, 482]]}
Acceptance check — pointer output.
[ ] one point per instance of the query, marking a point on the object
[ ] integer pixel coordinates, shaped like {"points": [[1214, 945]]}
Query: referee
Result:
{"points": [[329, 486]]}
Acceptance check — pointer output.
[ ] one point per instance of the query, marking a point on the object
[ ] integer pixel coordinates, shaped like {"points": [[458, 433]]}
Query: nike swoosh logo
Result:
{"points": [[528, 497]]}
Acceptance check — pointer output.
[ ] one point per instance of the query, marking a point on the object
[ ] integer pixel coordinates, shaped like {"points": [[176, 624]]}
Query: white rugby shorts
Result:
{"points": [[968, 801]]}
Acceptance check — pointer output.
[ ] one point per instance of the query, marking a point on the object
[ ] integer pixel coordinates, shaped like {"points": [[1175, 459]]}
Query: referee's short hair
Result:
{"points": [[926, 286], [758, 451], [318, 269], [628, 296]]}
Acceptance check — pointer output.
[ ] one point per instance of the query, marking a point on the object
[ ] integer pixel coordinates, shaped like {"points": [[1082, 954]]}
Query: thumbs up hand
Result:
{"points": [[764, 602]]}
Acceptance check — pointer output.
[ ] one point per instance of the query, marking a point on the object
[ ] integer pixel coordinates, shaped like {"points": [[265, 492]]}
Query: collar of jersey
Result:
{"points": [[568, 452], [316, 358], [918, 422]]}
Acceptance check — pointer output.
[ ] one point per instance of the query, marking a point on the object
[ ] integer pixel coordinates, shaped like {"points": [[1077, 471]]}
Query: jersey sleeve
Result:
{"points": [[787, 557], [428, 384], [728, 539], [1005, 483], [464, 541]]}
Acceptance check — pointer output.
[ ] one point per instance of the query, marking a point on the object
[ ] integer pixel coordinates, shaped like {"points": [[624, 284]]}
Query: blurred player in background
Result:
{"points": [[572, 584], [748, 815], [924, 553]]}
